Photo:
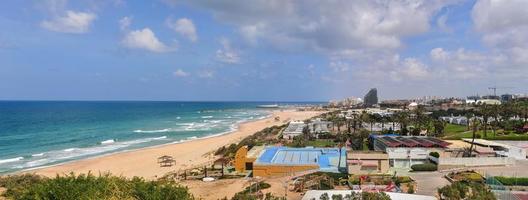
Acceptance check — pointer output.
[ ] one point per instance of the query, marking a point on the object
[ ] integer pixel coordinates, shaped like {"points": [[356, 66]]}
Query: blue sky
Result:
{"points": [[260, 50]]}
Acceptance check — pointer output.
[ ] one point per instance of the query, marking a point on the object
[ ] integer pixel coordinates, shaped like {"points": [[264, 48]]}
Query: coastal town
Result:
{"points": [[357, 148], [264, 100]]}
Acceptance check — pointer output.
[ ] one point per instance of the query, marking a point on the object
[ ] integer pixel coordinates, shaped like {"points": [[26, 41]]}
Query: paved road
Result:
{"points": [[428, 182]]}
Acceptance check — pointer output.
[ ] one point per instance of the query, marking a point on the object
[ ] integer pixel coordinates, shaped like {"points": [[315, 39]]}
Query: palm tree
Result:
{"points": [[402, 118], [474, 125], [485, 112], [367, 118]]}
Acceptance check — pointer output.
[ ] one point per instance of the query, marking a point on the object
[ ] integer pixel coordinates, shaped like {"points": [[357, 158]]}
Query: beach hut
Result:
{"points": [[166, 161]]}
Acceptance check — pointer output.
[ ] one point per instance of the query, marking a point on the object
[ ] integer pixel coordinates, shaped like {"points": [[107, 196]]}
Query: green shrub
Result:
{"points": [[435, 154], [424, 167], [463, 190], [523, 181], [88, 186], [410, 188]]}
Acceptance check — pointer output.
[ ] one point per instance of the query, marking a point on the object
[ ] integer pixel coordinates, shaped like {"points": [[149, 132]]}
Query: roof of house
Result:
{"points": [[405, 141], [326, 158]]}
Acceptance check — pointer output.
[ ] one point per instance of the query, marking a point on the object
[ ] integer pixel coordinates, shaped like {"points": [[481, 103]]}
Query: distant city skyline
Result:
{"points": [[261, 50]]}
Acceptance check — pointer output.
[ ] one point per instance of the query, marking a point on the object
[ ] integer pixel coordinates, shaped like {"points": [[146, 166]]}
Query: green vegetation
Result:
{"points": [[252, 192], [303, 142], [512, 181], [356, 196], [466, 176], [88, 187], [435, 154], [410, 189], [454, 128], [424, 167], [264, 136], [479, 134], [256, 186], [403, 179], [462, 190]]}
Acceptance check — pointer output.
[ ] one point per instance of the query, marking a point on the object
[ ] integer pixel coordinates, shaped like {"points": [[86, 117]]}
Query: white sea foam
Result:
{"points": [[108, 142], [69, 149], [160, 138], [73, 153], [153, 131], [37, 155], [11, 160], [207, 117]]}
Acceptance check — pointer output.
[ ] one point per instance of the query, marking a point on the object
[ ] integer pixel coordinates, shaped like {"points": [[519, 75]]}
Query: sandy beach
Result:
{"points": [[143, 162]]}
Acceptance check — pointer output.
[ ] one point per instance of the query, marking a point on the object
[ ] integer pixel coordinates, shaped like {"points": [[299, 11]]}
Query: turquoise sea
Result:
{"points": [[40, 133]]}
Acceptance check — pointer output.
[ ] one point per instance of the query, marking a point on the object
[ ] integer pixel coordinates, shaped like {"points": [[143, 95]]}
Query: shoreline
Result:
{"points": [[143, 161], [237, 124]]}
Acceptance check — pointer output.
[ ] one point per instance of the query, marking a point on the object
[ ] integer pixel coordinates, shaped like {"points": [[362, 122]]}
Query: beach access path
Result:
{"points": [[143, 162]]}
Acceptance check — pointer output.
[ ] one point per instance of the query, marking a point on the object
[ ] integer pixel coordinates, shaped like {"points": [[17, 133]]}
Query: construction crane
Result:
{"points": [[494, 88]]}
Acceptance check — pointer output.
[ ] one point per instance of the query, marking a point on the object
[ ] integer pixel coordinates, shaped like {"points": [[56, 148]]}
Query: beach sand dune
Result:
{"points": [[143, 162]]}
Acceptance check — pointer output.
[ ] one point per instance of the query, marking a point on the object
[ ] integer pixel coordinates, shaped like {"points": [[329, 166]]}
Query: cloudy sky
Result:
{"points": [[276, 50]]}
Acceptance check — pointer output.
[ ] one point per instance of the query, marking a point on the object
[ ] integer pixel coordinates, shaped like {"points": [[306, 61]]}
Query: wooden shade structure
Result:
{"points": [[166, 161]]}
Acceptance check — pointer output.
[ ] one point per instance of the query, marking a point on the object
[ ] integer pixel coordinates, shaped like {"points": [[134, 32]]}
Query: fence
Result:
{"points": [[475, 161]]}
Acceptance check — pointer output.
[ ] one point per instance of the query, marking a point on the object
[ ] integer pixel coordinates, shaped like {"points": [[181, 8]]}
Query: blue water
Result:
{"points": [[41, 133]]}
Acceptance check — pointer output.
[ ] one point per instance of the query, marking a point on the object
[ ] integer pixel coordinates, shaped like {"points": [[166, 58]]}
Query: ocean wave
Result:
{"points": [[69, 149], [153, 131], [75, 153], [11, 160], [207, 117], [37, 155], [108, 141]]}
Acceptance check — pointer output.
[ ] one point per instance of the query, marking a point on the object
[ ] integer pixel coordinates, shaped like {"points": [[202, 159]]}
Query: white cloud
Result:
{"points": [[72, 22], [414, 69], [331, 27], [184, 27], [206, 74], [124, 23], [438, 54], [227, 54], [465, 64], [180, 73], [339, 66], [441, 22], [504, 27], [144, 39]]}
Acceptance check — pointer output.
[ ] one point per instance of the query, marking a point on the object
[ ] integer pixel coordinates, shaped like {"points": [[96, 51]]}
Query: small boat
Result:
{"points": [[268, 106]]}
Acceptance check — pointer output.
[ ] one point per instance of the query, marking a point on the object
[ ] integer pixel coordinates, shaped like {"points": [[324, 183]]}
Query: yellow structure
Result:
{"points": [[367, 162], [280, 170], [244, 158]]}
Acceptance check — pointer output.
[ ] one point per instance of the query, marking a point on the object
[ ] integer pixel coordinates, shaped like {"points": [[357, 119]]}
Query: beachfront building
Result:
{"points": [[295, 128], [459, 120], [367, 162], [318, 126], [378, 127], [405, 151], [282, 161], [316, 194]]}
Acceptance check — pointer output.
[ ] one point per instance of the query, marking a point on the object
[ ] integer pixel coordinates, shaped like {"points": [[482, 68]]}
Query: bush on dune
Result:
{"points": [[88, 186]]}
